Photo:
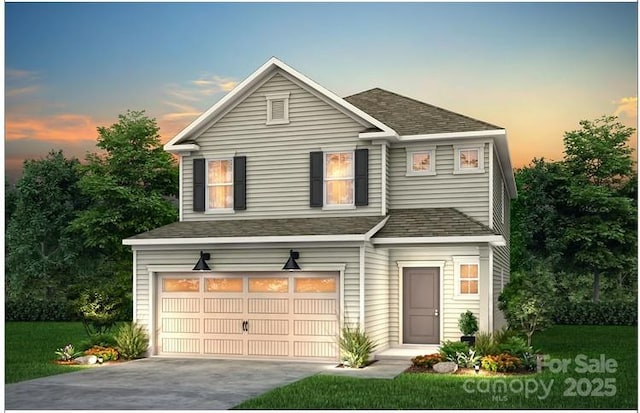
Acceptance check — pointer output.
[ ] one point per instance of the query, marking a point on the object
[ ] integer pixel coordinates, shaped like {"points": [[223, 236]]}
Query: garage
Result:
{"points": [[268, 315]]}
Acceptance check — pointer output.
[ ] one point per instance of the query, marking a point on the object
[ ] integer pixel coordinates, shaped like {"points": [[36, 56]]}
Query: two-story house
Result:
{"points": [[301, 212]]}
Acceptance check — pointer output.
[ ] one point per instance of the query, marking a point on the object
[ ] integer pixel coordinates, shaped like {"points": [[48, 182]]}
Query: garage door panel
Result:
{"points": [[268, 306], [223, 326], [181, 305], [181, 345], [268, 348], [181, 325], [224, 347], [268, 327], [315, 306], [224, 305], [262, 315], [325, 328]]}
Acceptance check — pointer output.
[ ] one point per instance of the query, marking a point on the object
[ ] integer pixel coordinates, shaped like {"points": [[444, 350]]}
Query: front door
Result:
{"points": [[421, 302]]}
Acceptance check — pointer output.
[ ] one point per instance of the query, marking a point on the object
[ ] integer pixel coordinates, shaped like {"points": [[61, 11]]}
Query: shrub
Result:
{"points": [[502, 335], [600, 313], [485, 344], [67, 353], [98, 309], [426, 361], [468, 323], [467, 359], [30, 309], [102, 340], [107, 353], [131, 341], [516, 346], [501, 363], [355, 347], [449, 349]]}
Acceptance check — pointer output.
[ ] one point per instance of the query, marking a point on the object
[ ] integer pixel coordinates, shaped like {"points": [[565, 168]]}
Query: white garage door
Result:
{"points": [[261, 315]]}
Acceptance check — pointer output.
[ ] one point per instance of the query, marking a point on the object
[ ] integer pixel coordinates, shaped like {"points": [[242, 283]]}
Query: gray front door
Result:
{"points": [[421, 301]]}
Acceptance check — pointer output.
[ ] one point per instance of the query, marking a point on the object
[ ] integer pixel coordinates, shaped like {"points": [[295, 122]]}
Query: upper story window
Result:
{"points": [[277, 108], [421, 162], [467, 276], [220, 184], [338, 178], [468, 159]]}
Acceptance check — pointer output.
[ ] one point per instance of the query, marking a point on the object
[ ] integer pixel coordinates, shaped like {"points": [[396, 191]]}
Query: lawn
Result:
{"points": [[30, 347], [573, 389]]}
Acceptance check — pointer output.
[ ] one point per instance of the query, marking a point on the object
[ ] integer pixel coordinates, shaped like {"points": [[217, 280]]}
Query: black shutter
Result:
{"points": [[362, 177], [199, 184], [239, 183], [317, 178]]}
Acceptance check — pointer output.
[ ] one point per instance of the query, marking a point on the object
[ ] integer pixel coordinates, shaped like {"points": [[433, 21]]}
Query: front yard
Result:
{"points": [[572, 389], [30, 350]]}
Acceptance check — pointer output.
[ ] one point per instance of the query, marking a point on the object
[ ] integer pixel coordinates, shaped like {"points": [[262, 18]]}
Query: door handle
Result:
{"points": [[244, 326], [436, 312]]}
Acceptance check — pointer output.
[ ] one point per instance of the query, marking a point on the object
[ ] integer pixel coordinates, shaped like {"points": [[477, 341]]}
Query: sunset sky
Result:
{"points": [[535, 69]]}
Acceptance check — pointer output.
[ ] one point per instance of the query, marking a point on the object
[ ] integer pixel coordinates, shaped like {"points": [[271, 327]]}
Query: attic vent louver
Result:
{"points": [[277, 108]]}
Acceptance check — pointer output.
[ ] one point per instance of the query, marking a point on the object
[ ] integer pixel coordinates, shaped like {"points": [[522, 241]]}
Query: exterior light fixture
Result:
{"points": [[476, 368], [291, 264], [201, 265]]}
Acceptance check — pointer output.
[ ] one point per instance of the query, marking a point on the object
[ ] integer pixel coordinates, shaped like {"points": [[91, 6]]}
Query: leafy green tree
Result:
{"points": [[528, 300], [130, 184], [600, 237], [42, 255]]}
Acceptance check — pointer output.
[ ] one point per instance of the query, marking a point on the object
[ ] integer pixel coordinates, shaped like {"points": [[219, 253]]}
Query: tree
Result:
{"points": [[528, 300], [42, 255], [600, 237], [130, 186]]}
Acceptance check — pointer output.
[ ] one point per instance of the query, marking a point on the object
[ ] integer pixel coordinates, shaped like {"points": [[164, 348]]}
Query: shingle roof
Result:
{"points": [[431, 222], [411, 117], [422, 222], [264, 228]]}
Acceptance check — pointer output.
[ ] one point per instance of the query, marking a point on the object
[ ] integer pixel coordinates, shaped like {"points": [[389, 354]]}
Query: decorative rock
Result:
{"points": [[445, 367], [86, 360]]}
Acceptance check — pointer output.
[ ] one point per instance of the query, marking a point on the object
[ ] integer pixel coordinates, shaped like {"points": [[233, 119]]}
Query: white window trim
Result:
{"points": [[456, 159], [352, 205], [219, 210], [457, 262], [277, 96], [432, 166]]}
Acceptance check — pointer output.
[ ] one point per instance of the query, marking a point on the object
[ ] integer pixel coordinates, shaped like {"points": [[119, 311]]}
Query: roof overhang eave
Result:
{"points": [[493, 240], [245, 240], [181, 148]]}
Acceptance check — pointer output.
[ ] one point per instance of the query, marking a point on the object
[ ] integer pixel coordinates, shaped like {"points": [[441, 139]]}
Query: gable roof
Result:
{"points": [[408, 116], [256, 78]]}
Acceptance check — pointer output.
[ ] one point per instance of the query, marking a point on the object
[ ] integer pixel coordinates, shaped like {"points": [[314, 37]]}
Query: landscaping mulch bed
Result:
{"points": [[467, 372]]}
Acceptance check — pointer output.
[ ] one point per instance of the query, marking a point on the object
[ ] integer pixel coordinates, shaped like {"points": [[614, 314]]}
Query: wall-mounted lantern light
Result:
{"points": [[201, 265], [291, 264]]}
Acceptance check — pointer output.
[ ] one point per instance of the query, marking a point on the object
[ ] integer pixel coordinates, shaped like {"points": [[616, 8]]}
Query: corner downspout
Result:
{"points": [[383, 178], [491, 288], [135, 289]]}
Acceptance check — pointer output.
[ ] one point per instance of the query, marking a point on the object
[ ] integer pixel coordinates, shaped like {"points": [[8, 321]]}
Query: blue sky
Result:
{"points": [[533, 68]]}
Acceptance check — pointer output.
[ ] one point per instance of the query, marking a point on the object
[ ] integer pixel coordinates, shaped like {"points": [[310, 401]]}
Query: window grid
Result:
{"points": [[339, 178], [220, 184]]}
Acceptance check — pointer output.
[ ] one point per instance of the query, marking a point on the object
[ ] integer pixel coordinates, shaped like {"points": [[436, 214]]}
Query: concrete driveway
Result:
{"points": [[157, 383]]}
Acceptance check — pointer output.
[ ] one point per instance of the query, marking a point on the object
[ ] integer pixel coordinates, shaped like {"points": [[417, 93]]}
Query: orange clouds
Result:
{"points": [[64, 127]]}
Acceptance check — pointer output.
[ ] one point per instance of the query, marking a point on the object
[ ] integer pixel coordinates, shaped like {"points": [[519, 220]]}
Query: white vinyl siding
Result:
{"points": [[501, 258], [278, 155], [222, 257], [377, 296], [451, 308], [469, 193]]}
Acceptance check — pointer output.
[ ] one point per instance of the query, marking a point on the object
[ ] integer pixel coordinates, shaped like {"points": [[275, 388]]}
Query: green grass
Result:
{"points": [[30, 348], [429, 391]]}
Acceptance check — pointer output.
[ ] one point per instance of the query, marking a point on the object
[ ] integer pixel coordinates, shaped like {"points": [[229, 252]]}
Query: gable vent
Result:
{"points": [[277, 109]]}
